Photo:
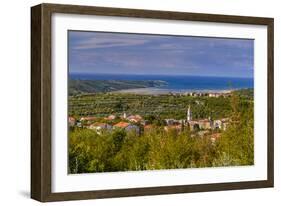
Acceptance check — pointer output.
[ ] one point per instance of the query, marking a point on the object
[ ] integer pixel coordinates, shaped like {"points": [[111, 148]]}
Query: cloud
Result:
{"points": [[96, 43], [131, 53], [90, 40]]}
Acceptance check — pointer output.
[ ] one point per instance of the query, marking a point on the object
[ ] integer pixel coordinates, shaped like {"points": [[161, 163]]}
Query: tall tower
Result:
{"points": [[189, 114]]}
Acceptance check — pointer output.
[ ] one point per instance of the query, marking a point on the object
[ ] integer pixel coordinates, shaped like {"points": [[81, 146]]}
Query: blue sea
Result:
{"points": [[178, 83]]}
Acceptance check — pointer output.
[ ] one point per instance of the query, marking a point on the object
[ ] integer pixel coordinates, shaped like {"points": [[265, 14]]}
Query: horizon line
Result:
{"points": [[192, 75]]}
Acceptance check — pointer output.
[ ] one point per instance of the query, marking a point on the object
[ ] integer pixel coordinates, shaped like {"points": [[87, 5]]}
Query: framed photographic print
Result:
{"points": [[130, 102]]}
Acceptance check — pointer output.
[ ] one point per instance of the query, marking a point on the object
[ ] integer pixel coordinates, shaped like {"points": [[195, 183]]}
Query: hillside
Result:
{"points": [[97, 86]]}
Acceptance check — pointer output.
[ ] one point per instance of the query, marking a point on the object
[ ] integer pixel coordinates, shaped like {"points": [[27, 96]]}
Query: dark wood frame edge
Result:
{"points": [[41, 101]]}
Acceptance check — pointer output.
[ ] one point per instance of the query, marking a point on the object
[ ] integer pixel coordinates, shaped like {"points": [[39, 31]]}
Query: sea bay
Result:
{"points": [[174, 83]]}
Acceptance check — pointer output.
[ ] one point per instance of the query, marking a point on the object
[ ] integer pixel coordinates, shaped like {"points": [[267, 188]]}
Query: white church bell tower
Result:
{"points": [[189, 114]]}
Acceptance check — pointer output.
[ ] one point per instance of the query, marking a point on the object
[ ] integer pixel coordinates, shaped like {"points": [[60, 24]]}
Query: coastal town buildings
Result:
{"points": [[169, 121], [127, 127], [138, 124], [177, 128], [87, 119], [206, 124], [134, 118], [110, 117], [71, 121], [208, 94], [99, 127]]}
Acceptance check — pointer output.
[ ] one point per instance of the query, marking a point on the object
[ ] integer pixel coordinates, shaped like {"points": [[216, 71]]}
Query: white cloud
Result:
{"points": [[95, 43], [108, 40]]}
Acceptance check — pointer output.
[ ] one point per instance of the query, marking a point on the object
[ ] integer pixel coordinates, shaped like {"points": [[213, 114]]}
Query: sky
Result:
{"points": [[123, 53]]}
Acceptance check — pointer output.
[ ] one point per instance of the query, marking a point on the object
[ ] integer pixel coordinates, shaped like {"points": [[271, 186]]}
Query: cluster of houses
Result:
{"points": [[133, 123], [208, 94], [196, 125], [126, 123], [99, 127], [199, 124]]}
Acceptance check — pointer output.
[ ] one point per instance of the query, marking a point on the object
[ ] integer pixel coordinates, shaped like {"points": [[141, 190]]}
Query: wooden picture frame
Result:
{"points": [[41, 117]]}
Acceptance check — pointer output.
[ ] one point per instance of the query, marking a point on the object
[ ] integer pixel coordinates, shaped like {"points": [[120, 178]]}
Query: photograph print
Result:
{"points": [[156, 102]]}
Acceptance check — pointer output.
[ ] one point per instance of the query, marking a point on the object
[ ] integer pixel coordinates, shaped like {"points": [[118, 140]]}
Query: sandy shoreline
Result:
{"points": [[156, 91]]}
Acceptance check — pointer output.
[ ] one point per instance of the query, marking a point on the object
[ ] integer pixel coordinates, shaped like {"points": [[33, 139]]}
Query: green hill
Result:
{"points": [[97, 86]]}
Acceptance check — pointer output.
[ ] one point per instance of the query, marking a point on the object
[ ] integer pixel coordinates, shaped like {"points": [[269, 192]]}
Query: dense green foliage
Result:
{"points": [[236, 146], [96, 86], [118, 150], [245, 93], [160, 106]]}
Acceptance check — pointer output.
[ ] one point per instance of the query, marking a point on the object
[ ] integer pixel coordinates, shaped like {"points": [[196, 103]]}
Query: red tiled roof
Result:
{"points": [[122, 124], [88, 118]]}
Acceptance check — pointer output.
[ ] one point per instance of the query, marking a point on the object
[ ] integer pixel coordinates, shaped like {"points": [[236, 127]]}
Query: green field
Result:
{"points": [[161, 106]]}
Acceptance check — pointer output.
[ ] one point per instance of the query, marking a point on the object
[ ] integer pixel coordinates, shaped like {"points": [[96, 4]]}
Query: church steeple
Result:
{"points": [[189, 114], [124, 115]]}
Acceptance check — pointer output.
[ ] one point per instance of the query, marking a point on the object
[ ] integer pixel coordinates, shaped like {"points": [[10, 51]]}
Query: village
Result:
{"points": [[206, 94], [137, 124]]}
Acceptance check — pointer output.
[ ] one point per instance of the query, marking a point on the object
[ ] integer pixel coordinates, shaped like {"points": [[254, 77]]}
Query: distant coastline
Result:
{"points": [[155, 84]]}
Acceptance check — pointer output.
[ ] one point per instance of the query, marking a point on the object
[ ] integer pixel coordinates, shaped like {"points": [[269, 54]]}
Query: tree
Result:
{"points": [[118, 136]]}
